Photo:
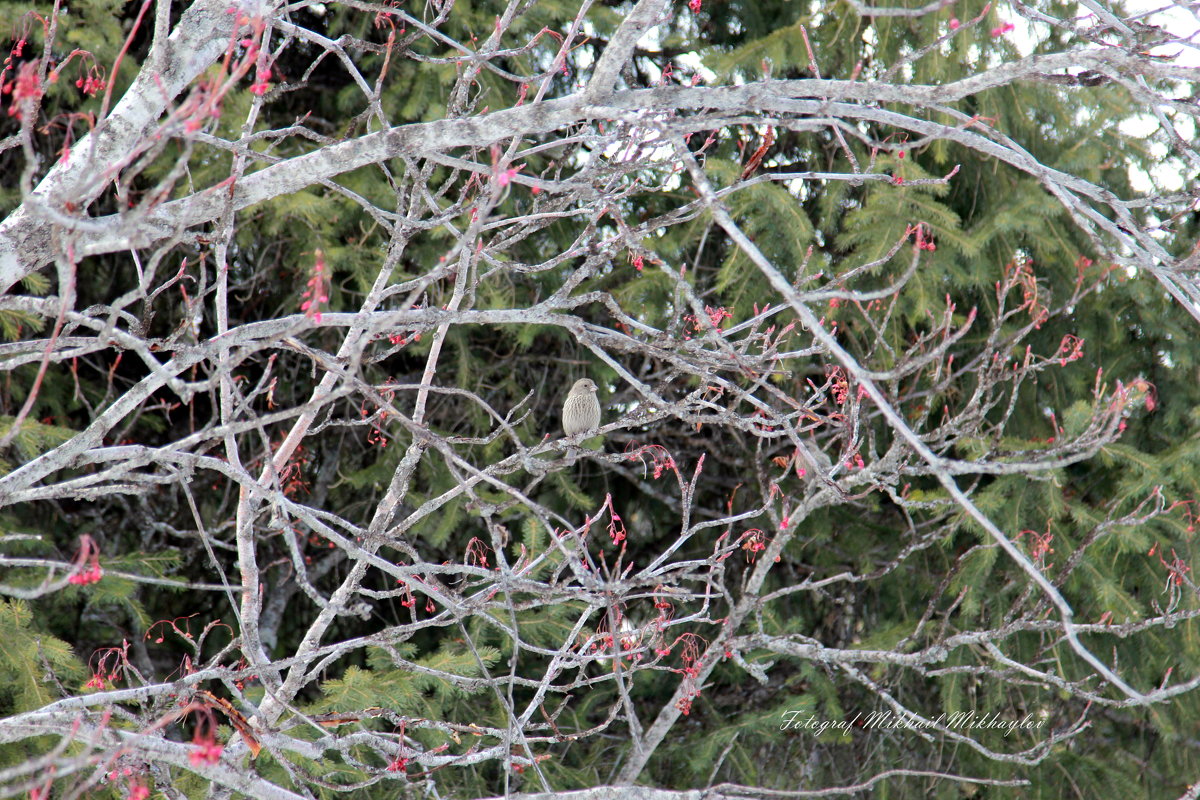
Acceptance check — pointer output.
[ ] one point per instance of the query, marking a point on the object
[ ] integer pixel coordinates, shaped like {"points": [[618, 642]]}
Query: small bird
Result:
{"points": [[581, 410]]}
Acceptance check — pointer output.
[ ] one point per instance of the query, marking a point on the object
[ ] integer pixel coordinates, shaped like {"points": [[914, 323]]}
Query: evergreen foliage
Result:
{"points": [[424, 590]]}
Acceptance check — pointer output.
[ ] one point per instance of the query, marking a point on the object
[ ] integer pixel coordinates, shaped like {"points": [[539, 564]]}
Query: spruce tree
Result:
{"points": [[888, 308]]}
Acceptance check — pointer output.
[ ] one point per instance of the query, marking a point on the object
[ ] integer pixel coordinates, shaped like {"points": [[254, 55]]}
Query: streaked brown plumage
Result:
{"points": [[581, 410]]}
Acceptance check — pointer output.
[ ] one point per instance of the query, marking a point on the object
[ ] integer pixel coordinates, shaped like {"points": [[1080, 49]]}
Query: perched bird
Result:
{"points": [[581, 410]]}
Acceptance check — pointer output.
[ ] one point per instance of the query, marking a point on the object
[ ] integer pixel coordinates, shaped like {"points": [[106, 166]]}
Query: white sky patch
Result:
{"points": [[1179, 19], [1182, 21]]}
